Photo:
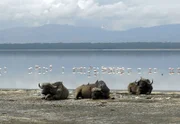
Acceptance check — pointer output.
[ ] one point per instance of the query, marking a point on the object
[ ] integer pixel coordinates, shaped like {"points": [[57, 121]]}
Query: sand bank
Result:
{"points": [[26, 106]]}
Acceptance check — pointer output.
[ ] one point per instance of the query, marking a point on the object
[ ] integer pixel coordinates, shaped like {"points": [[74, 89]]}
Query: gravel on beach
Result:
{"points": [[19, 106]]}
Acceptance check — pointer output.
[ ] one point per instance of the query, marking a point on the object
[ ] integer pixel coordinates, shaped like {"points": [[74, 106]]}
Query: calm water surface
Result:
{"points": [[21, 72]]}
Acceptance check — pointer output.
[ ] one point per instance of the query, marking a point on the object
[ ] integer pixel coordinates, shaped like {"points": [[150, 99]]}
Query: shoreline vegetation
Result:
{"points": [[125, 46]]}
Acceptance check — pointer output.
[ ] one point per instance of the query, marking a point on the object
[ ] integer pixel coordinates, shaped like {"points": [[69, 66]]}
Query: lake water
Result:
{"points": [[25, 69]]}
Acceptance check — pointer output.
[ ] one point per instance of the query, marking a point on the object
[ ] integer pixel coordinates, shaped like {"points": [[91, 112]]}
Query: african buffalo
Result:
{"points": [[54, 91], [143, 86], [98, 90]]}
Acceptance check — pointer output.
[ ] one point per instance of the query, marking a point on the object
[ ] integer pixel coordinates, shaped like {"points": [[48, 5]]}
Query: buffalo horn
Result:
{"points": [[152, 82], [136, 82], [40, 85], [54, 86]]}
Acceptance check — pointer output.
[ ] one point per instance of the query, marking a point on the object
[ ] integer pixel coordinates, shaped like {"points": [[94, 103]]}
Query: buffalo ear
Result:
{"points": [[148, 81], [138, 83]]}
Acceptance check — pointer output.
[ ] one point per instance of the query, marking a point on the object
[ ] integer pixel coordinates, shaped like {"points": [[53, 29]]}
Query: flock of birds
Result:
{"points": [[92, 70], [3, 70], [40, 70]]}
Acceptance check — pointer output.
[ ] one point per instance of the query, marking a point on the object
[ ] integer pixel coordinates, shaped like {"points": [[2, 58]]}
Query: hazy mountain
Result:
{"points": [[67, 34]]}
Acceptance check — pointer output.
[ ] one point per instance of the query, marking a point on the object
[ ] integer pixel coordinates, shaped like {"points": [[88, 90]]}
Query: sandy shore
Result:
{"points": [[26, 106]]}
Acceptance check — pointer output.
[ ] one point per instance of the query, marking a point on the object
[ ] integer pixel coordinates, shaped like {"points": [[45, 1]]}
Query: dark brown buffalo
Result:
{"points": [[54, 91], [143, 86], [98, 90]]}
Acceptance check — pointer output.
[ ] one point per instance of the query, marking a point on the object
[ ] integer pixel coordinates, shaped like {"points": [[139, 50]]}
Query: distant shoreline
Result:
{"points": [[88, 50], [125, 46]]}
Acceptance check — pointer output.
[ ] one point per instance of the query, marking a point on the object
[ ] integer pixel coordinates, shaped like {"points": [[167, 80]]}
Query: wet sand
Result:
{"points": [[26, 106]]}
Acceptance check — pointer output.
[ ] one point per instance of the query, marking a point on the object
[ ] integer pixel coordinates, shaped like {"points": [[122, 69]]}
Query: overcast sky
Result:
{"points": [[108, 14]]}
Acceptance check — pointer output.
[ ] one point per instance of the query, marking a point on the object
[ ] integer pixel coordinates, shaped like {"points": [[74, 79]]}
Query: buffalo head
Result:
{"points": [[48, 88], [144, 86], [102, 85]]}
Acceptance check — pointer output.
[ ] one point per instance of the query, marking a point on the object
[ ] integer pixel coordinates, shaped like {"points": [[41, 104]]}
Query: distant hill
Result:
{"points": [[72, 34]]}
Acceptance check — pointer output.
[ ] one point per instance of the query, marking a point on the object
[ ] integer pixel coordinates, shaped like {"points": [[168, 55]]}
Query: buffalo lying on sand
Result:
{"points": [[143, 86], [98, 90], [54, 91]]}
